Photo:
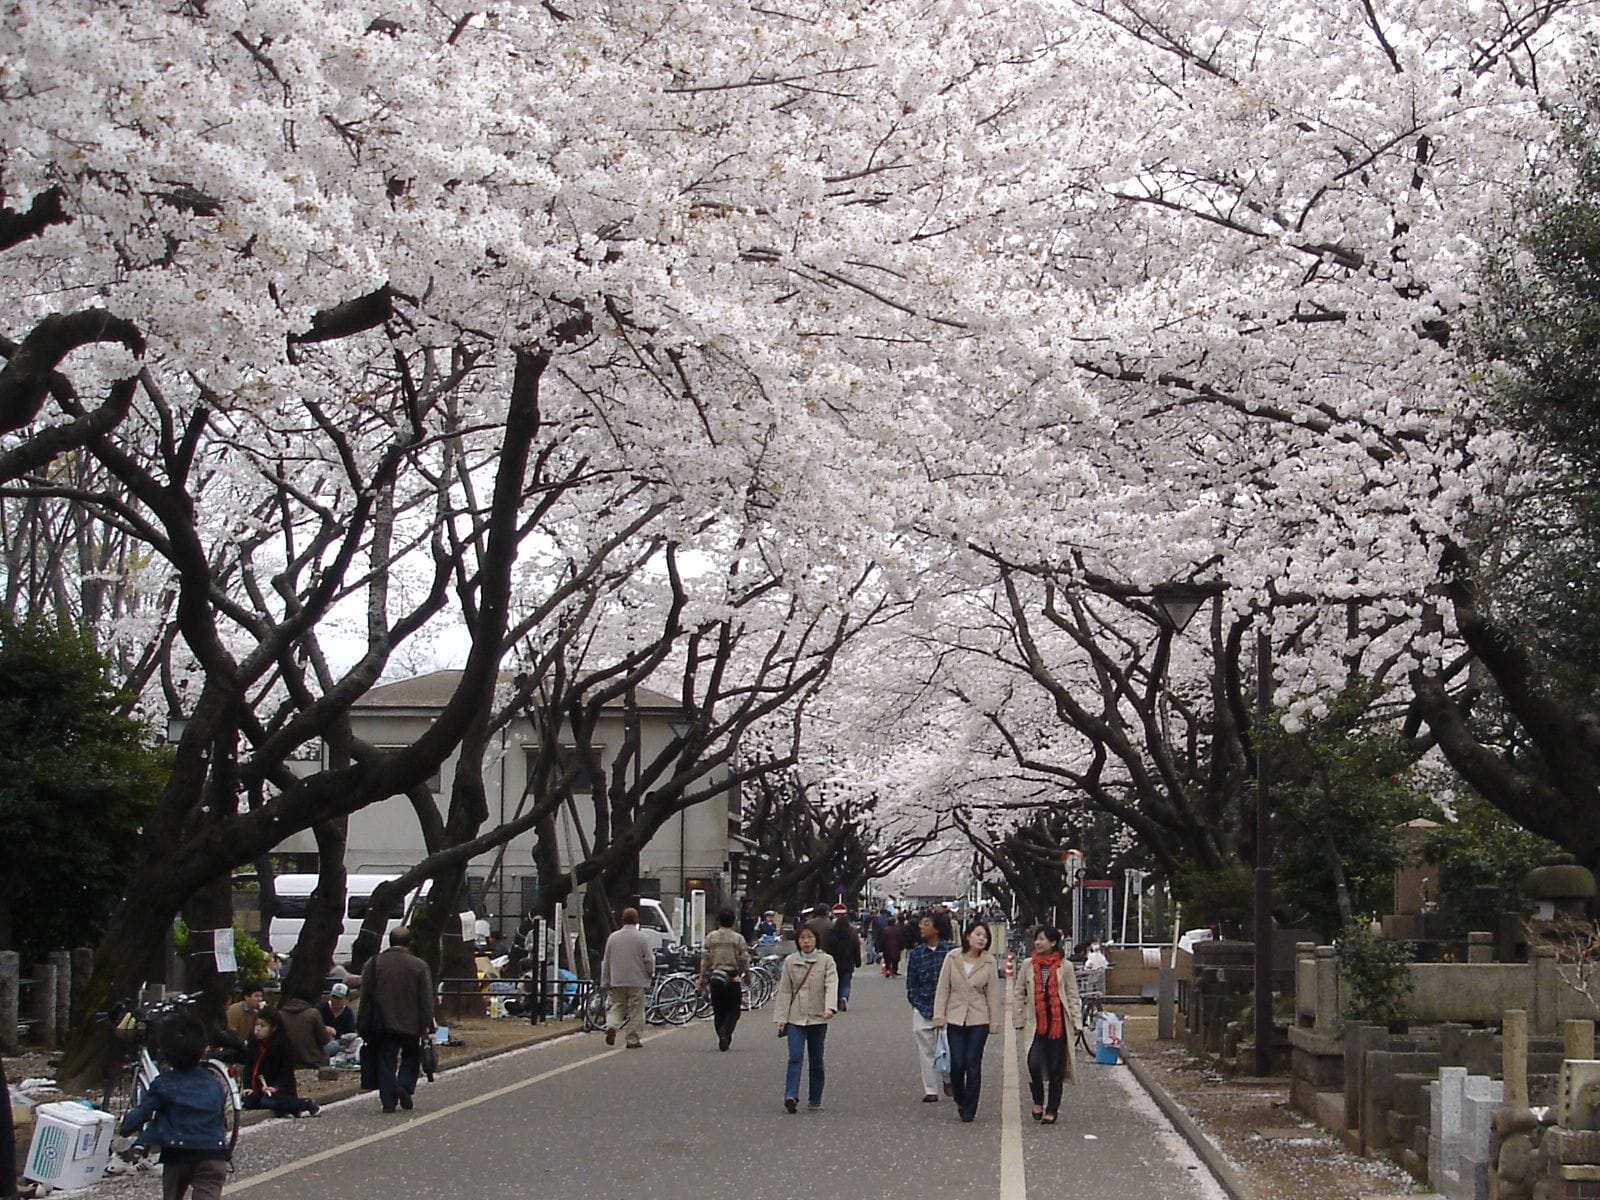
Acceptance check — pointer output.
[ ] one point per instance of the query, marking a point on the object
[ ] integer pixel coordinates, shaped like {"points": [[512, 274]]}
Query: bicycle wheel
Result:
{"points": [[230, 1101], [677, 999], [594, 1010], [124, 1089]]}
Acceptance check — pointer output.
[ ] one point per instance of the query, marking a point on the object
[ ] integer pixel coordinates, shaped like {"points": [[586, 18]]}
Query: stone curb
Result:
{"points": [[1208, 1151], [466, 1060]]}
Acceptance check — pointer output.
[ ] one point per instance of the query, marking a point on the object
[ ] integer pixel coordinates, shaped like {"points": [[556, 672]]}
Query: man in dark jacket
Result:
{"points": [[396, 1011]]}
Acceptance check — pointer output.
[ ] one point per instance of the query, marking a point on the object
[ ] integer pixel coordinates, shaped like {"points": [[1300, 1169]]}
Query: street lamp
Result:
{"points": [[681, 728], [1178, 602]]}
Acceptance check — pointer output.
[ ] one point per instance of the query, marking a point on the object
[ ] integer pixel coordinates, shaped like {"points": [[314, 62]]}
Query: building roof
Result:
{"points": [[433, 691]]}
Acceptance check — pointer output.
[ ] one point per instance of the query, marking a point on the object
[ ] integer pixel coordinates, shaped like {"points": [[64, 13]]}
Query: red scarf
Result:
{"points": [[1047, 1012]]}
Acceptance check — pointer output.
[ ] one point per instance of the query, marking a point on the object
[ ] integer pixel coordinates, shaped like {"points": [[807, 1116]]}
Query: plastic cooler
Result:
{"points": [[1108, 1039], [71, 1145]]}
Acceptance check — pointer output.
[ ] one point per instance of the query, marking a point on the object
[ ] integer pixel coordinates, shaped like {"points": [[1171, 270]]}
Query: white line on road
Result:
{"points": [[1013, 1176], [250, 1181]]}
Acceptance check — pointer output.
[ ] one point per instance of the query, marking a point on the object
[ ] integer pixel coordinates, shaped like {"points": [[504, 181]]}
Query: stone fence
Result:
{"points": [[42, 1007], [1476, 990]]}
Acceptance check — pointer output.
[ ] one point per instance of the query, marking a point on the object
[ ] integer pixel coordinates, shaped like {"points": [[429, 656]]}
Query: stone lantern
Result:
{"points": [[1559, 889]]}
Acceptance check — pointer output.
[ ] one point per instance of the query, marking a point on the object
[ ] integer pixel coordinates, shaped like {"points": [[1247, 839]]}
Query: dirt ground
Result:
{"points": [[1276, 1153]]}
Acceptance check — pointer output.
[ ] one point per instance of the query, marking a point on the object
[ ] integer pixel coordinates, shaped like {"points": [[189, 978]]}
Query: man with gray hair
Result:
{"points": [[627, 969], [396, 1012]]}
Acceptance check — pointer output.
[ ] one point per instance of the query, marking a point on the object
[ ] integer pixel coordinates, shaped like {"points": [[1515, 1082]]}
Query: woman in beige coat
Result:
{"points": [[1049, 1008], [807, 998], [966, 1005]]}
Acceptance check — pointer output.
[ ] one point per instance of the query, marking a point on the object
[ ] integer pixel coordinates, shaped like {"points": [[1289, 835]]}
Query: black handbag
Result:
{"points": [[430, 1057], [369, 1067]]}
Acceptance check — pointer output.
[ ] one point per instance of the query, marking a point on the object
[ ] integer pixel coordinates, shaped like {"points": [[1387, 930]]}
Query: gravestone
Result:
{"points": [[1444, 1128], [1480, 1098]]}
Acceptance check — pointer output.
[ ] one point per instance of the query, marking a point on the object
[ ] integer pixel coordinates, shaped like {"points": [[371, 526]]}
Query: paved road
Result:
{"points": [[679, 1120]]}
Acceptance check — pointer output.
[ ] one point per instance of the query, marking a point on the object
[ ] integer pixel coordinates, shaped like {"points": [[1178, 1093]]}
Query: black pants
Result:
{"points": [[386, 1048], [726, 998], [1047, 1063], [966, 1066]]}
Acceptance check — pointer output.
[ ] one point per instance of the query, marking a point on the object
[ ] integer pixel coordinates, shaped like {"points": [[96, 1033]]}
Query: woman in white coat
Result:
{"points": [[1049, 1009], [807, 998], [967, 1005]]}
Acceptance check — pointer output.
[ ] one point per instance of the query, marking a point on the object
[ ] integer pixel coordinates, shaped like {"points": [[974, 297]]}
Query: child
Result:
{"points": [[182, 1113], [269, 1070]]}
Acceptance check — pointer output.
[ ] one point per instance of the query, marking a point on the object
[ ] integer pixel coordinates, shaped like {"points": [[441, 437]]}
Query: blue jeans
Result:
{"points": [[844, 986], [801, 1039], [966, 1065]]}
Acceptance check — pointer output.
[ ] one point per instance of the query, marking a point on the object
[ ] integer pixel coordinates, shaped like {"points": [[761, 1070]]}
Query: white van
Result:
{"points": [[655, 925], [294, 898]]}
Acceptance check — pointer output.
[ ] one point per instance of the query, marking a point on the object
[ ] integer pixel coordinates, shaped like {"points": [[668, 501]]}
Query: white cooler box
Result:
{"points": [[71, 1145]]}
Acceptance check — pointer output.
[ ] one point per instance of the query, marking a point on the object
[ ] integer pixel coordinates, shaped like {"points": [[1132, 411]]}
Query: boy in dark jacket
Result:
{"points": [[269, 1070], [182, 1113]]}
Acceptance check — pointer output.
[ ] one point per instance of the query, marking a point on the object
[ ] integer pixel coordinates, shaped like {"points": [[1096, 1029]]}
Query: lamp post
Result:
{"points": [[1178, 602], [681, 728]]}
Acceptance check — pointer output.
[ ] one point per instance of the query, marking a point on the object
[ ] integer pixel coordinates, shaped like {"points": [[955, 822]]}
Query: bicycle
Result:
{"points": [[1092, 998], [132, 1068]]}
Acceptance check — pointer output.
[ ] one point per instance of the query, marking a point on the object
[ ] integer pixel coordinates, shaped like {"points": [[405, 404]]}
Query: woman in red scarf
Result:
{"points": [[1048, 1007]]}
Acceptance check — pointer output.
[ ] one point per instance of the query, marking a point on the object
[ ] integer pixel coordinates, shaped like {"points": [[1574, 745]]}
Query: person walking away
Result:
{"points": [[890, 944], [1048, 1007], [268, 1078], [182, 1113], [807, 998], [844, 947], [724, 967], [967, 1005], [627, 969], [923, 965], [396, 1012], [820, 921]]}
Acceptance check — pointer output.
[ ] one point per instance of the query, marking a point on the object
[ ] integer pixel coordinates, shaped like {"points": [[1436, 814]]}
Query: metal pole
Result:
{"points": [[1263, 880]]}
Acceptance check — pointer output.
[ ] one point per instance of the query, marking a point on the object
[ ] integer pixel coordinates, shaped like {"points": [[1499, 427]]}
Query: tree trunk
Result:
{"points": [[319, 936]]}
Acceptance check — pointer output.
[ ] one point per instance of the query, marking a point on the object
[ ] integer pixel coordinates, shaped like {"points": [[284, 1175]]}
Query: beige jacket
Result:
{"points": [[808, 987], [629, 959], [1025, 1016], [963, 999]]}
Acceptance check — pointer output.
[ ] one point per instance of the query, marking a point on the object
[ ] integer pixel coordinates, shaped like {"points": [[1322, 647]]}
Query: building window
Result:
{"points": [[575, 770]]}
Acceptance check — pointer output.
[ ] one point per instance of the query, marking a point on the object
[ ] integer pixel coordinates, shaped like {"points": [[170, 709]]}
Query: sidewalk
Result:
{"points": [[1256, 1144]]}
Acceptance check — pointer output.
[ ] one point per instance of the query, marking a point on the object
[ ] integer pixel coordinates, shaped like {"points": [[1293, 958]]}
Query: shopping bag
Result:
{"points": [[430, 1057], [941, 1052]]}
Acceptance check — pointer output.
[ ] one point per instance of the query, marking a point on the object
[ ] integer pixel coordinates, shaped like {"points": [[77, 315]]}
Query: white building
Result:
{"points": [[697, 849]]}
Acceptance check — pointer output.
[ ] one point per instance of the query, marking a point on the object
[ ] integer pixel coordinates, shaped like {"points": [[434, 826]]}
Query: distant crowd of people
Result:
{"points": [[955, 993]]}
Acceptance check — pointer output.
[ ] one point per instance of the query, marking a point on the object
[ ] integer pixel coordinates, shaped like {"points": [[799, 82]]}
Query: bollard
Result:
{"points": [[10, 986], [1577, 1039], [44, 1005], [1514, 1057], [1167, 1005]]}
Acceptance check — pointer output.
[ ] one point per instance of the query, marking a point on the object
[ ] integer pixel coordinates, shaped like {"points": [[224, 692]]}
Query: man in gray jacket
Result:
{"points": [[627, 969], [396, 1011]]}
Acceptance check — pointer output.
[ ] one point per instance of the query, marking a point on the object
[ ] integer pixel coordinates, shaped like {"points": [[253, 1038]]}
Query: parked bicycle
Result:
{"points": [[132, 1067]]}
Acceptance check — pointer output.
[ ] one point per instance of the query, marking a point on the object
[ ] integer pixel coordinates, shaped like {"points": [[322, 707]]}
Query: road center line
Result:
{"points": [[397, 1130], [1013, 1176]]}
